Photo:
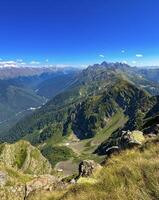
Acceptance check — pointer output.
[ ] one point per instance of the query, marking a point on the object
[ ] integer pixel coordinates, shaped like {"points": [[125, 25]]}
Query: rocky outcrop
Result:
{"points": [[44, 182], [15, 190], [124, 140], [24, 171], [130, 139], [23, 156], [88, 167]]}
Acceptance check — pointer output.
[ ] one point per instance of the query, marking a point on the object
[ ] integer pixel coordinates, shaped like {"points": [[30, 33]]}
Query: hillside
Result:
{"points": [[132, 172], [132, 175]]}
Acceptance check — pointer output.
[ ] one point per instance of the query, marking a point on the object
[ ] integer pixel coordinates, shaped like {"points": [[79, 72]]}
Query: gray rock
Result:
{"points": [[88, 167], [43, 182]]}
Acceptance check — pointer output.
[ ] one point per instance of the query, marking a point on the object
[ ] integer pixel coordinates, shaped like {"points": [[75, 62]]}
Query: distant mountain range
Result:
{"points": [[23, 90], [14, 72]]}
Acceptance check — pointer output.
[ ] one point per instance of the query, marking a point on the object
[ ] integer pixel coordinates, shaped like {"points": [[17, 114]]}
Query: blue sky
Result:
{"points": [[79, 32]]}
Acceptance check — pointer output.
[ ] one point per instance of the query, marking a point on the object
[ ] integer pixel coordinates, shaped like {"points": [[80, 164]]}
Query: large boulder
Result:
{"points": [[88, 167]]}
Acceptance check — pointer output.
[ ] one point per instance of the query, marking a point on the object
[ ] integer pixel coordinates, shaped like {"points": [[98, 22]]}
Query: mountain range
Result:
{"points": [[107, 113], [99, 88], [23, 90]]}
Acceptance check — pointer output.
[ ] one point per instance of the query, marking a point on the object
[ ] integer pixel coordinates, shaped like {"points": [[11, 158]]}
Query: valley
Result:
{"points": [[94, 116]]}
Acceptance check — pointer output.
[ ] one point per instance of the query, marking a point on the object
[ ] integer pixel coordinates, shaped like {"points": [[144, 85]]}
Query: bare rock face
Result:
{"points": [[43, 182], [88, 167]]}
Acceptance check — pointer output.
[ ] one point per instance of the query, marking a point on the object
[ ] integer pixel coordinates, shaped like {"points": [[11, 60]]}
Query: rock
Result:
{"points": [[44, 182], [122, 140], [3, 178], [88, 167], [73, 181], [130, 139]]}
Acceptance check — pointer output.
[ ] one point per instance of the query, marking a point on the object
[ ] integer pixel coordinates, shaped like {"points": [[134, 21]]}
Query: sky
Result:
{"points": [[79, 32]]}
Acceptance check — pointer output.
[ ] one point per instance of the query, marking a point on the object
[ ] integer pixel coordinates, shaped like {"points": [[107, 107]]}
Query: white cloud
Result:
{"points": [[34, 62], [12, 63], [47, 60], [139, 55], [122, 51], [9, 63], [101, 55]]}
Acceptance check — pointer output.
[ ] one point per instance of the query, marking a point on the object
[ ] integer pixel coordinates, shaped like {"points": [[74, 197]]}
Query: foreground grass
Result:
{"points": [[132, 175]]}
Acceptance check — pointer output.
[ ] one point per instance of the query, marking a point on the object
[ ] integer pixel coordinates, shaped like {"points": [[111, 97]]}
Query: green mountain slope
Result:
{"points": [[92, 112]]}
